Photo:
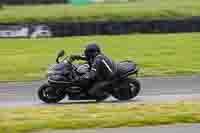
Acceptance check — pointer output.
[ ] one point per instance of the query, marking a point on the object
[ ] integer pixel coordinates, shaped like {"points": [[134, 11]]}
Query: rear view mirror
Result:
{"points": [[60, 54]]}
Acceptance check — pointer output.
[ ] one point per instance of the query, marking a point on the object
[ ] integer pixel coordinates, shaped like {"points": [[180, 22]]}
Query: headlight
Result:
{"points": [[50, 72]]}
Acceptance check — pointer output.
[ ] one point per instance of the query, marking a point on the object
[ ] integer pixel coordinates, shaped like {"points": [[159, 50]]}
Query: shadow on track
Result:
{"points": [[92, 102]]}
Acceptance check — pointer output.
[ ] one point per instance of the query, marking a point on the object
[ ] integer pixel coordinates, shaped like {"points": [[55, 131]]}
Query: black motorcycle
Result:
{"points": [[62, 82]]}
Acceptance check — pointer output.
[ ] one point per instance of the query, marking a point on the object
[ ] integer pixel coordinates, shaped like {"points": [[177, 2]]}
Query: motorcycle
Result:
{"points": [[62, 82]]}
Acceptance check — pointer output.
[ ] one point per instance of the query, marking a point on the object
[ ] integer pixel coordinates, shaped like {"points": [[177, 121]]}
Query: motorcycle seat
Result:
{"points": [[126, 67]]}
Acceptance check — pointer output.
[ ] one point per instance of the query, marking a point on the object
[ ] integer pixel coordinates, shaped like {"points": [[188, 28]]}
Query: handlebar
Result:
{"points": [[66, 58]]}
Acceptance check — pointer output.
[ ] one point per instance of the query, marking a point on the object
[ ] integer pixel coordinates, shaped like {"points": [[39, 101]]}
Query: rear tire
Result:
{"points": [[128, 89], [45, 96]]}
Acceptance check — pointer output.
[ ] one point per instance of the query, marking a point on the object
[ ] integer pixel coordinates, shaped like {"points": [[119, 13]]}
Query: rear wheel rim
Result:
{"points": [[132, 87]]}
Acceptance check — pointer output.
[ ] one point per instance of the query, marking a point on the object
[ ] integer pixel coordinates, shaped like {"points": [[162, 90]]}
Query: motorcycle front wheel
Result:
{"points": [[127, 89], [49, 94]]}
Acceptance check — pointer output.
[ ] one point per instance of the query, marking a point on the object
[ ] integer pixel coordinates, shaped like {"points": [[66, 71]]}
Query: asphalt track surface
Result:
{"points": [[16, 94], [158, 129]]}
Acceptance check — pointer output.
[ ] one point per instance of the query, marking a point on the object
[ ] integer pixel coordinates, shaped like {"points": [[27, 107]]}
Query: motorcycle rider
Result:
{"points": [[101, 68]]}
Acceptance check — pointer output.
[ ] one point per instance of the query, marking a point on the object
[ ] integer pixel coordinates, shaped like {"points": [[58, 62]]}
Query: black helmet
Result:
{"points": [[92, 50]]}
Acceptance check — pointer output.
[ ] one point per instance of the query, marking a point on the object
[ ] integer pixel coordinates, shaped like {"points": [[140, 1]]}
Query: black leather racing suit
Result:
{"points": [[102, 70]]}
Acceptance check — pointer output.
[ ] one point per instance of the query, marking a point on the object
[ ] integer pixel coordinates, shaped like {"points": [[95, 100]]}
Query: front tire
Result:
{"points": [[128, 89], [102, 97], [49, 94]]}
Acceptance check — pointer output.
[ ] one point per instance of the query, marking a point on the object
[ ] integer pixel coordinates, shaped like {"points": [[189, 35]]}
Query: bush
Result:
{"points": [[134, 10], [1, 6]]}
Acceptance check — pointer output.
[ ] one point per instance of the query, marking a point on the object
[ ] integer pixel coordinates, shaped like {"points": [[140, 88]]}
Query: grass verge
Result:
{"points": [[157, 55], [139, 9], [103, 115]]}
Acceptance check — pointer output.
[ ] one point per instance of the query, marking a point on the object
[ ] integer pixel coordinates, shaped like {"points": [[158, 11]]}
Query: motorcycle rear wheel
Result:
{"points": [[128, 89], [48, 94]]}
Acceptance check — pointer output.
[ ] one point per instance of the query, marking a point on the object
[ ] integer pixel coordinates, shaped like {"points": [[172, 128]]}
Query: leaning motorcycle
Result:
{"points": [[62, 82]]}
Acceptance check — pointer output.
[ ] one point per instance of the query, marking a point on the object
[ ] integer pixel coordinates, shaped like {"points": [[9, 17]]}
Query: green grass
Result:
{"points": [[157, 55], [104, 115], [139, 9]]}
